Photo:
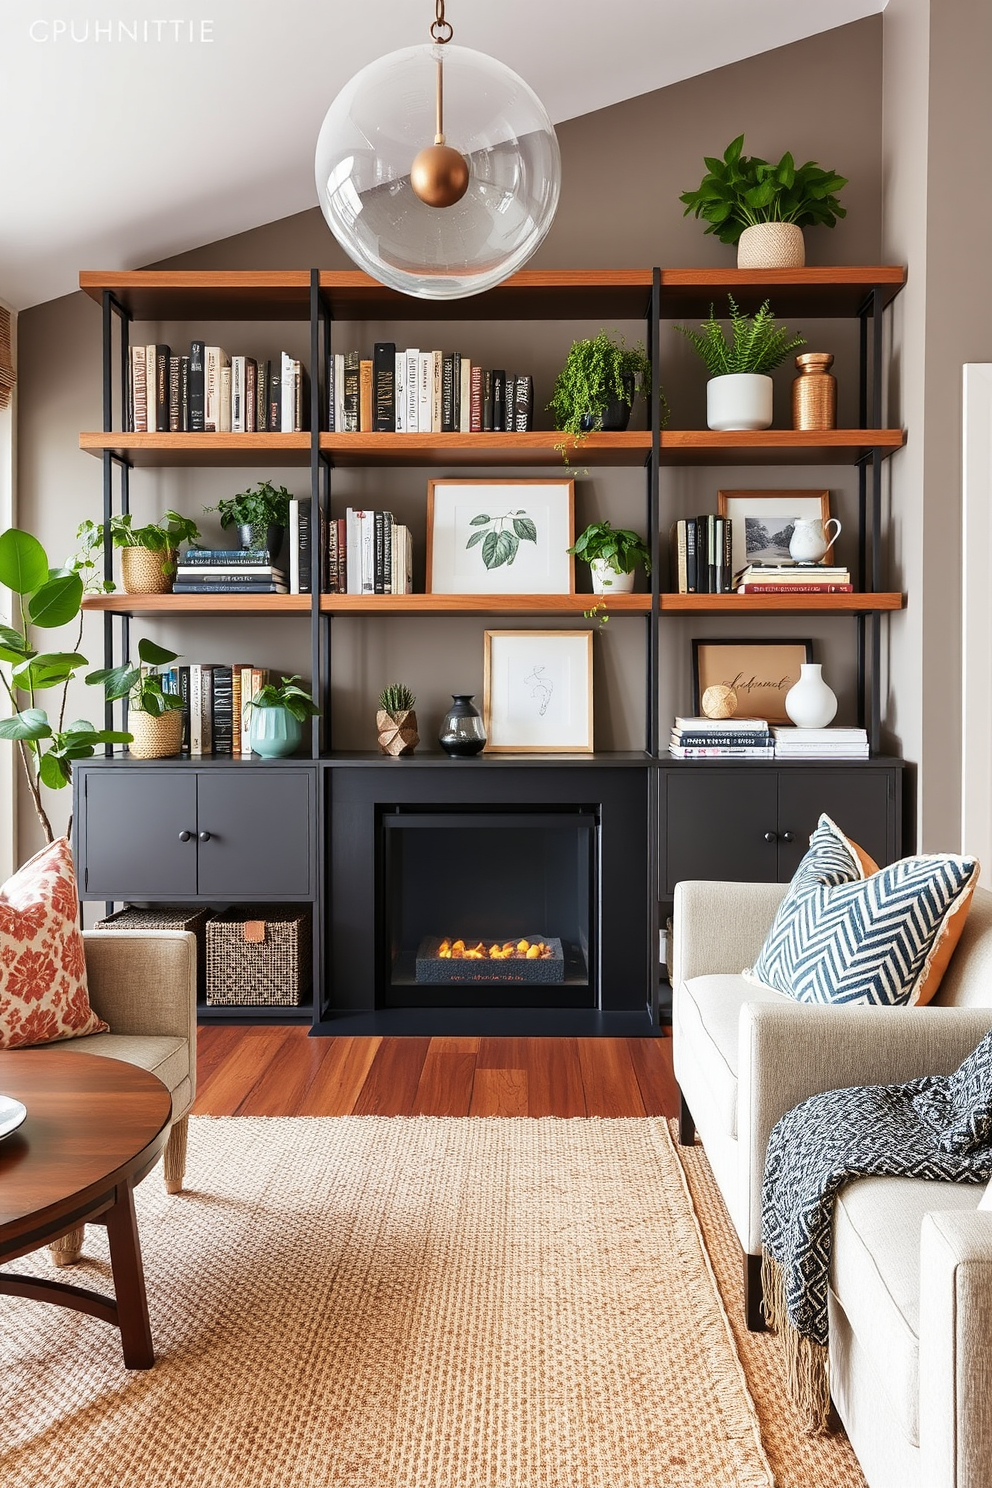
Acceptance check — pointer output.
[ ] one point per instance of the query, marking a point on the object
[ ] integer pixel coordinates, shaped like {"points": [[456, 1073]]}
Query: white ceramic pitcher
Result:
{"points": [[809, 542]]}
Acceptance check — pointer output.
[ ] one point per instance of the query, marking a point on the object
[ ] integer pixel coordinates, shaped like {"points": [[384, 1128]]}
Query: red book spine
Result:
{"points": [[796, 589], [475, 407]]}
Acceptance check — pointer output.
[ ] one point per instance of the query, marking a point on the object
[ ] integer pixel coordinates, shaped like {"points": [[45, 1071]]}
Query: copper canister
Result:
{"points": [[814, 392]]}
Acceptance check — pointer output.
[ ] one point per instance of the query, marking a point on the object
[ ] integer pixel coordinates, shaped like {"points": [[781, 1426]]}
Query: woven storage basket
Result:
{"points": [[259, 956], [166, 917]]}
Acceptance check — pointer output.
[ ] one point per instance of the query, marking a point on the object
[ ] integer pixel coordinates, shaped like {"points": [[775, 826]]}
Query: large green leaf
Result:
{"points": [[117, 681], [154, 655], [57, 601], [30, 723], [55, 770], [23, 561], [12, 640]]}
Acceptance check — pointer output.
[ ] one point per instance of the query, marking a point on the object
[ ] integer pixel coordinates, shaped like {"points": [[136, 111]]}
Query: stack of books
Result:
{"points": [[820, 743], [211, 392], [721, 738], [701, 549], [424, 392], [228, 571], [793, 578], [213, 705]]}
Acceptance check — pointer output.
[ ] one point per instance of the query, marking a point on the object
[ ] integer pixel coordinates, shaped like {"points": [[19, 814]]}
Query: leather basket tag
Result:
{"points": [[254, 932]]}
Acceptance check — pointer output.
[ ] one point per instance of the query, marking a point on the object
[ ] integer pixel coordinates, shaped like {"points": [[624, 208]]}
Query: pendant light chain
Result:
{"points": [[441, 30]]}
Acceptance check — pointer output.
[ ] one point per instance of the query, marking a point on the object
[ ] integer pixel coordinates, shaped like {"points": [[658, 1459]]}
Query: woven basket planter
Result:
{"points": [[155, 738], [259, 956], [771, 245], [141, 571]]}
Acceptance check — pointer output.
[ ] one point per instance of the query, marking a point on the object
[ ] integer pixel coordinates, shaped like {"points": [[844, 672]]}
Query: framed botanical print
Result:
{"points": [[500, 536]]}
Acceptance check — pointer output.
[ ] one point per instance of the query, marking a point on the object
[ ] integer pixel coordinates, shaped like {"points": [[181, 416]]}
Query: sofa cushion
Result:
{"points": [[43, 992], [875, 1275], [168, 1058], [842, 937], [710, 1012]]}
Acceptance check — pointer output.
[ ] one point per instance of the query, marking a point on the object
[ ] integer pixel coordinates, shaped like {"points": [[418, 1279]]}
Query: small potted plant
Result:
{"points": [[154, 716], [612, 554], [763, 208], [261, 515], [595, 389], [148, 553], [739, 392], [275, 717], [396, 721]]}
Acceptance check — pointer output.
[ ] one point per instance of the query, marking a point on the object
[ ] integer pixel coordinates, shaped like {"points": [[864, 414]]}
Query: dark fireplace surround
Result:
{"points": [[489, 850]]}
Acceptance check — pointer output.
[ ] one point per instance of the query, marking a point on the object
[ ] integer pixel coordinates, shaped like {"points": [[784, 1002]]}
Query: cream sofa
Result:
{"points": [[911, 1276]]}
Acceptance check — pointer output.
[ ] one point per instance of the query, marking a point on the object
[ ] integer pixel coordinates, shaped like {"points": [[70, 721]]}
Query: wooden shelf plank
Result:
{"points": [[533, 294], [575, 604], [177, 294], [775, 446], [198, 604], [201, 449], [728, 604], [834, 290]]}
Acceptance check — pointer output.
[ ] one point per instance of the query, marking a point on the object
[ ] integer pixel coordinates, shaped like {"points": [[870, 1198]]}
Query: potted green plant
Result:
{"points": [[595, 389], [154, 715], [275, 717], [148, 553], [47, 599], [261, 515], [763, 208], [396, 721], [739, 392], [612, 554]]}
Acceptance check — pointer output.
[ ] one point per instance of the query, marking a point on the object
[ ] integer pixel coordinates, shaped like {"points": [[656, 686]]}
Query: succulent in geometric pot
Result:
{"points": [[739, 393], [396, 721]]}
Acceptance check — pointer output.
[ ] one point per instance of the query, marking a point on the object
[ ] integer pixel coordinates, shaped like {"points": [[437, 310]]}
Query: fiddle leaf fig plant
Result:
{"points": [[739, 191]]}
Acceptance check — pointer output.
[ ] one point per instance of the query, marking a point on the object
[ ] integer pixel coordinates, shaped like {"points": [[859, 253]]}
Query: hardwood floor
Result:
{"points": [[279, 1071]]}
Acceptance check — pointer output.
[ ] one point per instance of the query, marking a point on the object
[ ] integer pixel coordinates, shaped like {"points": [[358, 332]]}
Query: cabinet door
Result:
{"points": [[131, 845], [861, 801], [715, 825], [259, 824]]}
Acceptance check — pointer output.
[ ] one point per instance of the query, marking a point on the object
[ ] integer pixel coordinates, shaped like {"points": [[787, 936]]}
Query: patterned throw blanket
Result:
{"points": [[938, 1127]]}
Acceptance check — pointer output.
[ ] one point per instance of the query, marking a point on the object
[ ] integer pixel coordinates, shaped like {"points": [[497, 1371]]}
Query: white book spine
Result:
{"points": [[437, 377], [353, 559], [465, 409], [195, 709], [288, 394], [338, 392], [425, 378], [225, 398], [211, 388], [399, 401], [368, 553], [412, 390], [150, 389], [294, 546], [237, 395]]}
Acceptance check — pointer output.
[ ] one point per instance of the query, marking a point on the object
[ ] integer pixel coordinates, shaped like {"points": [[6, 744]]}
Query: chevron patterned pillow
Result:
{"points": [[842, 935]]}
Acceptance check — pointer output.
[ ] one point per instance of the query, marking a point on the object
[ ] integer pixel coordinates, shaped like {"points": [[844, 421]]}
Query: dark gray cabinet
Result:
{"points": [[149, 832]]}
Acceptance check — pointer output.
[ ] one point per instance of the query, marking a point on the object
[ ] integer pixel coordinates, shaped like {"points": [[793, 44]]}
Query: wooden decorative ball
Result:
{"points": [[719, 701]]}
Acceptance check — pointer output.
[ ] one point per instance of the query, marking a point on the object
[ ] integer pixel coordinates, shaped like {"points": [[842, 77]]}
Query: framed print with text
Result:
{"points": [[538, 691], [500, 536], [760, 672]]}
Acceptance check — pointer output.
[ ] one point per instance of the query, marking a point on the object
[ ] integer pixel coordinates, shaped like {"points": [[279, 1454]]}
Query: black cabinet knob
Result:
{"points": [[771, 836], [204, 836], [788, 837], [185, 836]]}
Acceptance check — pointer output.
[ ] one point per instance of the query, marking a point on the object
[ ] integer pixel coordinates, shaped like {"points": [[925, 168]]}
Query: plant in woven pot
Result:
{"points": [[275, 716], [148, 553], [739, 392], [261, 515], [763, 208], [155, 716], [396, 721]]}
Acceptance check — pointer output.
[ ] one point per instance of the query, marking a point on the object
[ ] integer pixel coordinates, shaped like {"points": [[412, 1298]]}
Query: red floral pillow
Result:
{"points": [[43, 995]]}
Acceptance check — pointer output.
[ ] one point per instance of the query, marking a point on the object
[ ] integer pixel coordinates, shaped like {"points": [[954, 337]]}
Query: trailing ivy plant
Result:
{"points": [[755, 343], [739, 191], [597, 372], [501, 536], [44, 598]]}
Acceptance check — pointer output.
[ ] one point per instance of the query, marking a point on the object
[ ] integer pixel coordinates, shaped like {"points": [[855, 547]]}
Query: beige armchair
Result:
{"points": [[143, 983]]}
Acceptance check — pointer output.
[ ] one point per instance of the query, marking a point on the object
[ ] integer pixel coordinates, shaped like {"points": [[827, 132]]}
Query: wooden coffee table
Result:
{"points": [[94, 1128]]}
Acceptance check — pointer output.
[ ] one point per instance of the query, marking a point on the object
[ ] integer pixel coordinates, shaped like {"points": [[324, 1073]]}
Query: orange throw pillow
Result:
{"points": [[43, 994]]}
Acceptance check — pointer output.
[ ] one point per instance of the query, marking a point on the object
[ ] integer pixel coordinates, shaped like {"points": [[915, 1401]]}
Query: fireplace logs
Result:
{"points": [[532, 958]]}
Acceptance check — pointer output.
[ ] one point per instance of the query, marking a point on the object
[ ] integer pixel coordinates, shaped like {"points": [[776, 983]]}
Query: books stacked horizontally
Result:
{"points": [[701, 549], [211, 392], [228, 571], [213, 701], [424, 392], [820, 743], [793, 578], [721, 738]]}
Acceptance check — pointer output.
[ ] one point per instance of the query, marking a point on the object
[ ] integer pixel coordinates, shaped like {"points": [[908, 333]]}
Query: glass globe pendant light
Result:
{"points": [[437, 169]]}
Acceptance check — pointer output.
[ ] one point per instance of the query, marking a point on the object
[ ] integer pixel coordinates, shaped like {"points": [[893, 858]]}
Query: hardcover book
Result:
{"points": [[139, 399], [384, 386], [197, 420]]}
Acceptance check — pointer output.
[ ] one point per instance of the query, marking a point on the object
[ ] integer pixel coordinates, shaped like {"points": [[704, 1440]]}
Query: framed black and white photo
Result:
{"points": [[500, 536], [538, 691], [760, 673], [763, 522]]}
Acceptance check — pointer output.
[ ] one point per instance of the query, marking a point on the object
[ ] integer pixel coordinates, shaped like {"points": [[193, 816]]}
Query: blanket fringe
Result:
{"points": [[805, 1361]]}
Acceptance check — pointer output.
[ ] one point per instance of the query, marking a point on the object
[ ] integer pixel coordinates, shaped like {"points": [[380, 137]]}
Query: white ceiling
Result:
{"points": [[120, 152]]}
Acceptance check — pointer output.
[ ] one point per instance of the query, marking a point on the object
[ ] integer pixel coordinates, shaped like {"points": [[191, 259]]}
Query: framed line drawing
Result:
{"points": [[760, 672], [500, 536], [538, 692], [763, 522]]}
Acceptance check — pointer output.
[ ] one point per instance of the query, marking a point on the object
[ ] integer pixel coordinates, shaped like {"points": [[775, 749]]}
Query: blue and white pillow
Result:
{"points": [[844, 936]]}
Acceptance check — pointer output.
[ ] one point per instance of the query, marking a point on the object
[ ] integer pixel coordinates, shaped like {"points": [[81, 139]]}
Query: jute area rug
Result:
{"points": [[383, 1302]]}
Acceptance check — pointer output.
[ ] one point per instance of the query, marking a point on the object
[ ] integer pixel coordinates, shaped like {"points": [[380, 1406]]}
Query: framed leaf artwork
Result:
{"points": [[500, 536]]}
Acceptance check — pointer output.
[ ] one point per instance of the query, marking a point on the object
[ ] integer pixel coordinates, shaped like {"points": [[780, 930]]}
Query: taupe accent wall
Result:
{"points": [[623, 169]]}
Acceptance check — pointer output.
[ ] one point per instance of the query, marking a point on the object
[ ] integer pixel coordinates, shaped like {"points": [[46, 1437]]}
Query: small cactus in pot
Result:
{"points": [[396, 721]]}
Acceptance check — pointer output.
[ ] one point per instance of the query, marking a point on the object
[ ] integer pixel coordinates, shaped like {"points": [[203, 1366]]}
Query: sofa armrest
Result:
{"points": [[789, 1051], [955, 1358], [720, 927], [143, 981]]}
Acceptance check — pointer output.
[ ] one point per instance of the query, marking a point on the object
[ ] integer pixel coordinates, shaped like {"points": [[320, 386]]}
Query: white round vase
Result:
{"points": [[606, 580], [739, 400], [810, 703]]}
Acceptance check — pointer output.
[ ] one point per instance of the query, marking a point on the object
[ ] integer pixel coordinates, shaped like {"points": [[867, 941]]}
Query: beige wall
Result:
{"points": [[623, 169]]}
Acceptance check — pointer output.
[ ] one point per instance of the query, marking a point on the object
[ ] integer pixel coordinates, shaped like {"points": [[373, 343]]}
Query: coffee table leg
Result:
{"points": [[129, 1281]]}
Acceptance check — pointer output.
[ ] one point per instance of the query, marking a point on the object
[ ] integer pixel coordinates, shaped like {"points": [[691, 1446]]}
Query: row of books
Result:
{"points": [[211, 392], [368, 552], [214, 698], [424, 392], [755, 738], [701, 555], [793, 578]]}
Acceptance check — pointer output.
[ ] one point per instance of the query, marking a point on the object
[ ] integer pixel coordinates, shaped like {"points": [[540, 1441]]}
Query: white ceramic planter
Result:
{"points": [[810, 703], [739, 400], [771, 245], [606, 580]]}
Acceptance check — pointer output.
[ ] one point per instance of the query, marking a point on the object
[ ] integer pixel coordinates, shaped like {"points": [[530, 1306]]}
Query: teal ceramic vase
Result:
{"points": [[274, 732]]}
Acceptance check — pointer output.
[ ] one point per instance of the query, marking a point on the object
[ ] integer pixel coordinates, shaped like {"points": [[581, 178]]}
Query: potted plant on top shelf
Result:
{"points": [[261, 515], [763, 208], [275, 717], [595, 389], [739, 392], [155, 716], [612, 554], [148, 553]]}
